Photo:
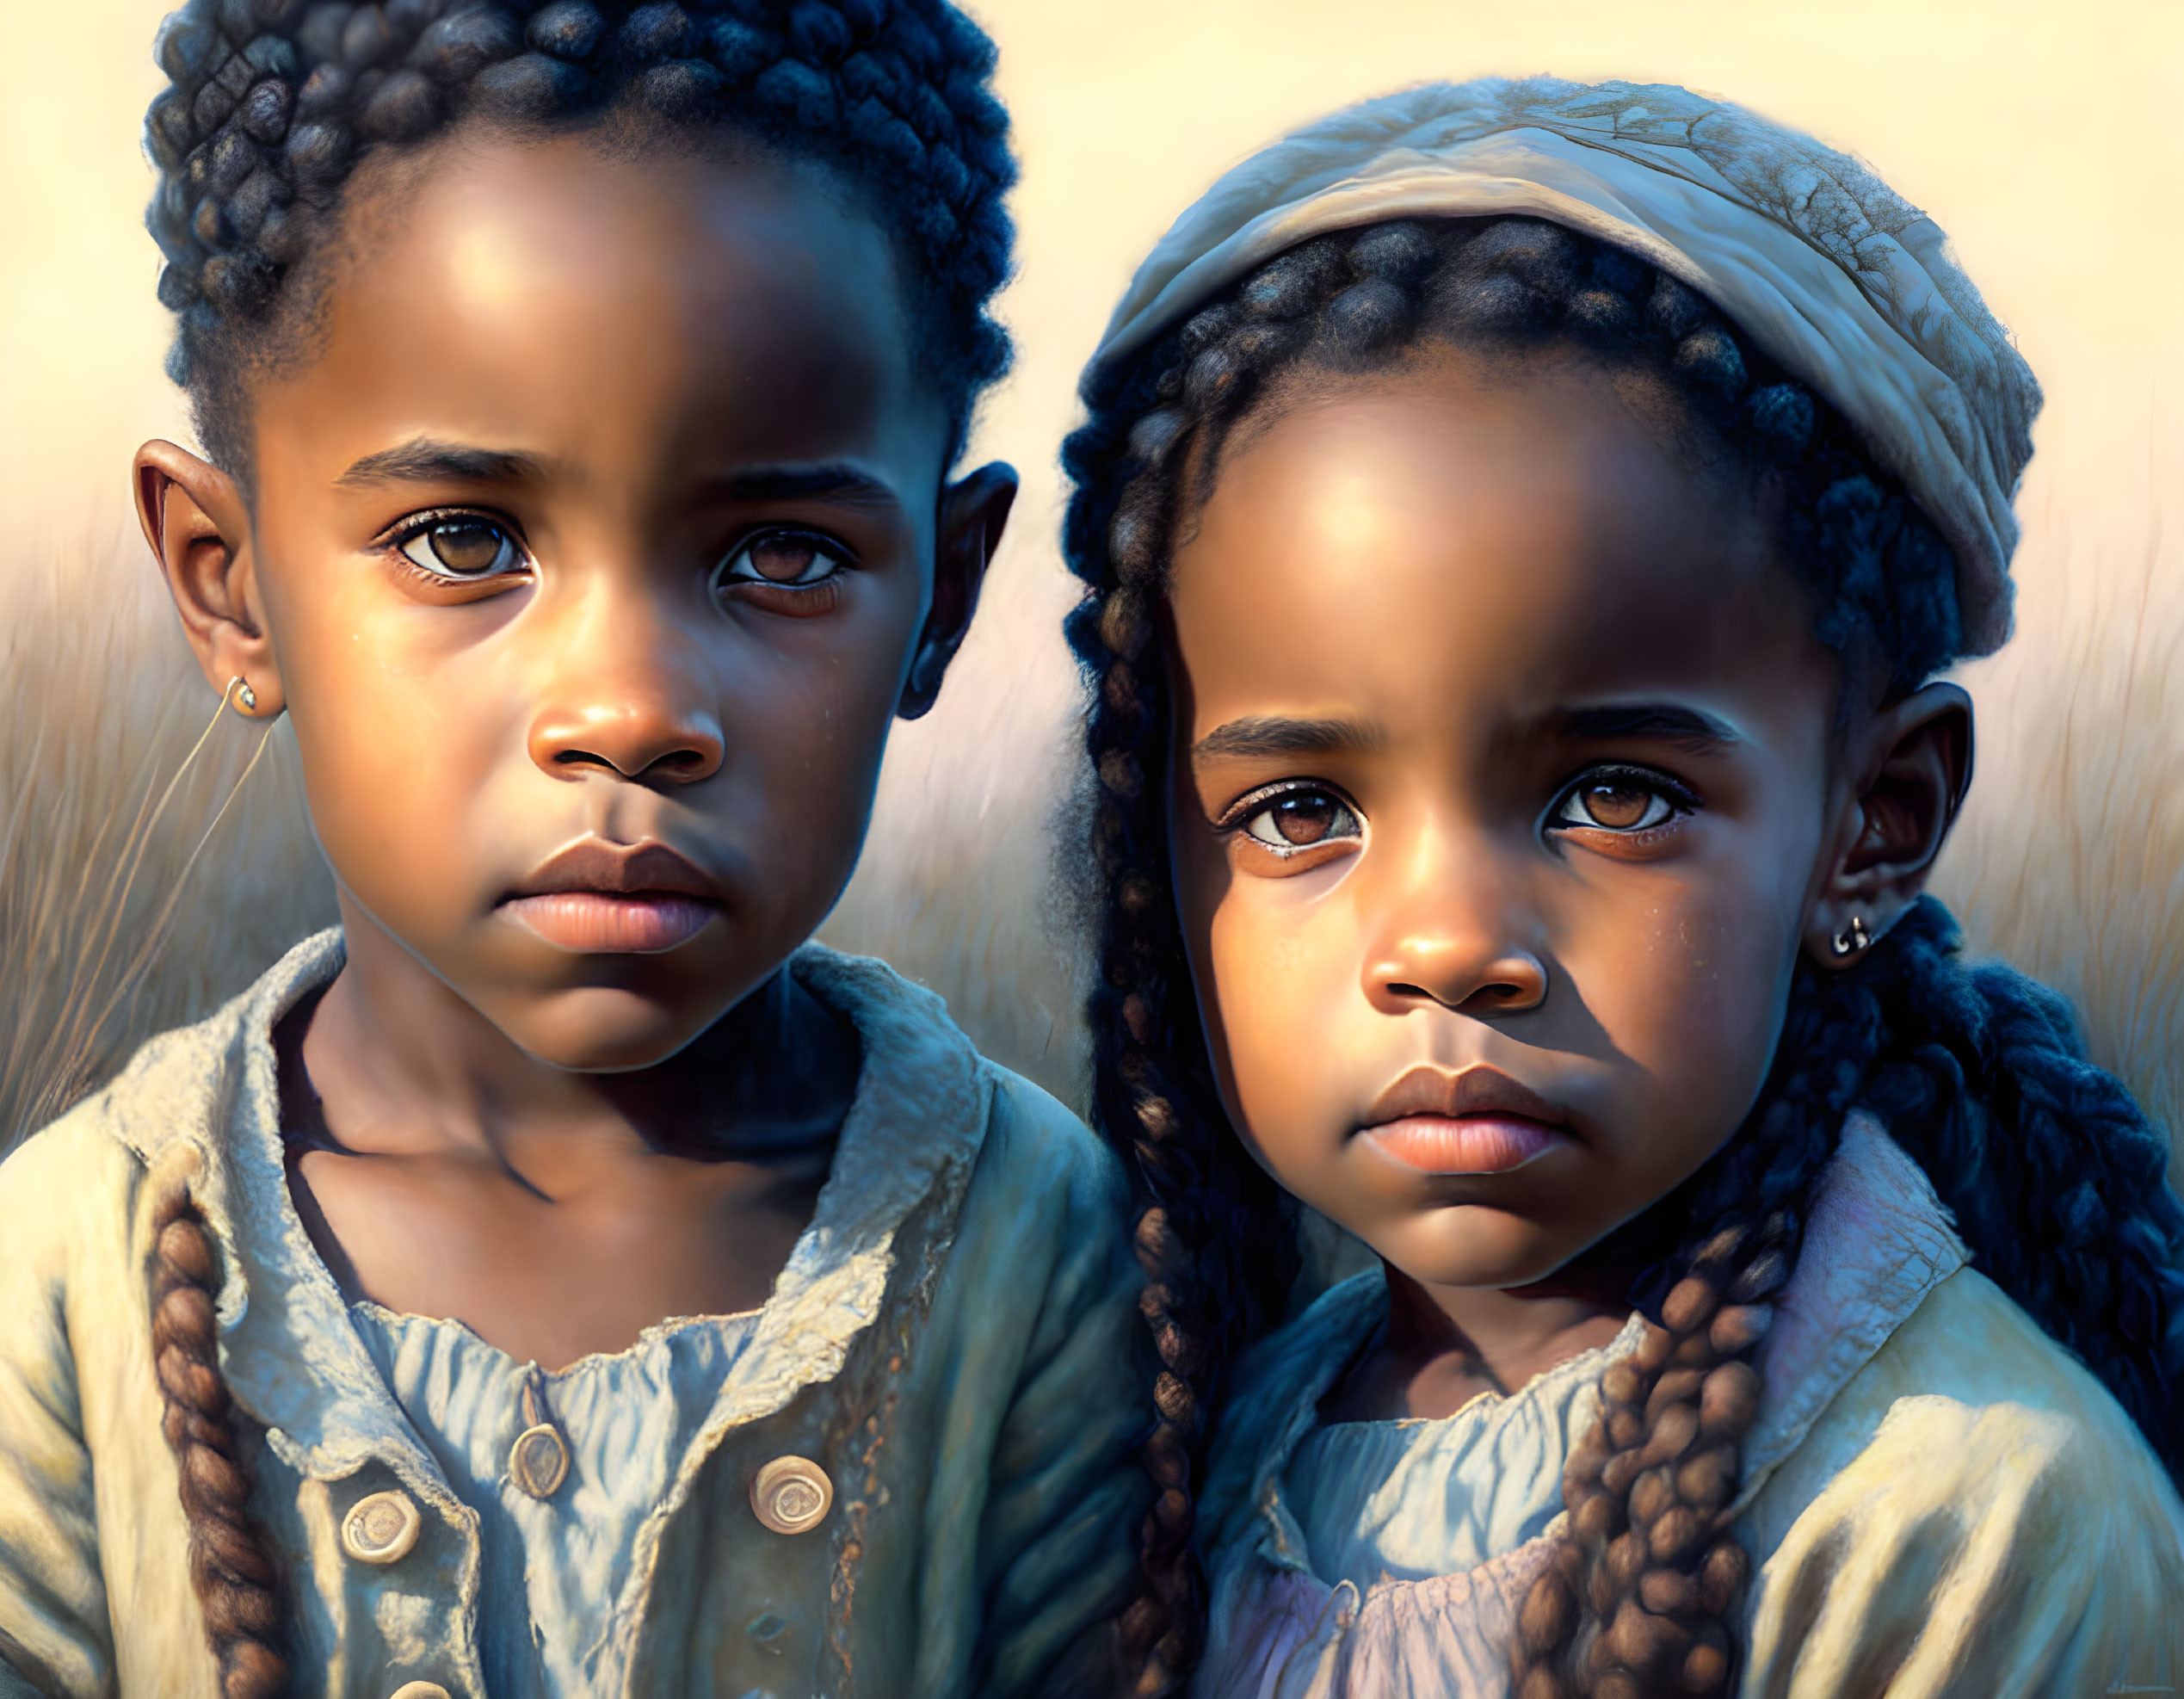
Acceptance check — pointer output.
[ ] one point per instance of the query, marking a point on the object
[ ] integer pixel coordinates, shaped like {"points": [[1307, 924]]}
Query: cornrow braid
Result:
{"points": [[274, 102], [232, 1566], [2050, 1170]]}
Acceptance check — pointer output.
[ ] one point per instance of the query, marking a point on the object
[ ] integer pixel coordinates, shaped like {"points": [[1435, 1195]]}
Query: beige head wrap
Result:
{"points": [[1823, 266]]}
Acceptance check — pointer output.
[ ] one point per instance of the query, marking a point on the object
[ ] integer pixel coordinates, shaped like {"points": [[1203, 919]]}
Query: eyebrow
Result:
{"points": [[841, 483], [1689, 728], [1275, 735], [424, 460]]}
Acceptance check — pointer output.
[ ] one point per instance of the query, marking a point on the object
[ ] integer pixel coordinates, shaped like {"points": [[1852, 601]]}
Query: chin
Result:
{"points": [[601, 1030], [1471, 1245]]}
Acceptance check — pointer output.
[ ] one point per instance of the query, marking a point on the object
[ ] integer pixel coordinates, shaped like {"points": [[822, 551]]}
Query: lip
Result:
{"points": [[1476, 1121], [595, 898]]}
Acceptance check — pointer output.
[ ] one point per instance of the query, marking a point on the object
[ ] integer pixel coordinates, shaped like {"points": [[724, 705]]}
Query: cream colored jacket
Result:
{"points": [[1939, 1502], [954, 1341]]}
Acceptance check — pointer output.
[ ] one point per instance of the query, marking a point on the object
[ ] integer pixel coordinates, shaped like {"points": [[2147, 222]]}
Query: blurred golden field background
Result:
{"points": [[2042, 137]]}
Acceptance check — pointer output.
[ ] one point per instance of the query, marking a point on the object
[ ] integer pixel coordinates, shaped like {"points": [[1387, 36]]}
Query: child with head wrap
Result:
{"points": [[1523, 526]]}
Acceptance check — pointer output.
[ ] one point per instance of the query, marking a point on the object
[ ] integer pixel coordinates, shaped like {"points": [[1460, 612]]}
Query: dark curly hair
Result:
{"points": [[274, 105], [2053, 1174]]}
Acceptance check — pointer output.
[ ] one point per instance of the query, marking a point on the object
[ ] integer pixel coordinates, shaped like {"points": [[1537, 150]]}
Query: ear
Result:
{"points": [[974, 513], [199, 528], [1910, 767]]}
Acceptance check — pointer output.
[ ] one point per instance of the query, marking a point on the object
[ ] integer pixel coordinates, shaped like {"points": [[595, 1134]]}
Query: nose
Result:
{"points": [[653, 740], [1454, 942], [627, 700]]}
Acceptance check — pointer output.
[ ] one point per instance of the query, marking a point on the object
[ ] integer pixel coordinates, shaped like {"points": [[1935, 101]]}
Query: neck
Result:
{"points": [[405, 1064], [1507, 1335]]}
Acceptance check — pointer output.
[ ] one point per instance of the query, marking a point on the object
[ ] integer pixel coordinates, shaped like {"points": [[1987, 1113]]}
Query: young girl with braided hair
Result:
{"points": [[1522, 523], [565, 1278]]}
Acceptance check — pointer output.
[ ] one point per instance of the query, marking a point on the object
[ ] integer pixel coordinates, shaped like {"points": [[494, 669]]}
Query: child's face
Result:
{"points": [[603, 516], [1500, 784]]}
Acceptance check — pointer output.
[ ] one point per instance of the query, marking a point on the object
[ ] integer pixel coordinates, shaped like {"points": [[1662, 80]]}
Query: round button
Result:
{"points": [[380, 1529], [420, 1689], [538, 1460], [792, 1494]]}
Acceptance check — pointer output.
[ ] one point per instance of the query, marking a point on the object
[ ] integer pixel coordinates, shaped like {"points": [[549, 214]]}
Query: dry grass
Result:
{"points": [[2069, 862], [138, 888]]}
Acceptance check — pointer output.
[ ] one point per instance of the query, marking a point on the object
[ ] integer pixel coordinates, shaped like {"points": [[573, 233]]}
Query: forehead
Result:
{"points": [[494, 286], [1489, 543]]}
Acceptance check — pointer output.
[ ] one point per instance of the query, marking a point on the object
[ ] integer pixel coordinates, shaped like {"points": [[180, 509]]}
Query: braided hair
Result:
{"points": [[2052, 1172], [274, 103], [273, 106], [231, 1564]]}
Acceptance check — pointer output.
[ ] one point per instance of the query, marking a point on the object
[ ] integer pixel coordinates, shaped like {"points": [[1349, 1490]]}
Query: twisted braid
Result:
{"points": [[232, 1565], [274, 103], [1213, 1234], [1977, 1072]]}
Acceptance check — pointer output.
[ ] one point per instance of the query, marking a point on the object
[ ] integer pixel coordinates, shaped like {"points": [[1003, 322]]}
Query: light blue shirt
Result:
{"points": [[628, 1419], [954, 1350], [1405, 1500]]}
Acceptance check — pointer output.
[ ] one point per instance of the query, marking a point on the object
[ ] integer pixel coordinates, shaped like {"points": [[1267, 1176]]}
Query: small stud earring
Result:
{"points": [[245, 697], [1853, 938]]}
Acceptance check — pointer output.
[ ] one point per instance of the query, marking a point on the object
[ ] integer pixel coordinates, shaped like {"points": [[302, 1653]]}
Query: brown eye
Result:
{"points": [[794, 559], [464, 545], [1301, 818], [1615, 803], [783, 560], [1616, 806]]}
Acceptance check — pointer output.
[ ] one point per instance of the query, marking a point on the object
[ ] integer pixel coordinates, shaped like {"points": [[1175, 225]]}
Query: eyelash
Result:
{"points": [[803, 601], [396, 542], [816, 597], [1682, 801], [1238, 815]]}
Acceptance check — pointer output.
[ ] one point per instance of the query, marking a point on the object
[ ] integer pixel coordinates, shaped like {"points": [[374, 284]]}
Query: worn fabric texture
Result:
{"points": [[954, 1340], [1414, 1500], [1828, 271], [1937, 1499], [555, 1565]]}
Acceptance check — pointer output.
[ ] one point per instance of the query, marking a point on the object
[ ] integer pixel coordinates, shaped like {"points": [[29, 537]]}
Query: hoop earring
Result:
{"points": [[246, 699], [1852, 939]]}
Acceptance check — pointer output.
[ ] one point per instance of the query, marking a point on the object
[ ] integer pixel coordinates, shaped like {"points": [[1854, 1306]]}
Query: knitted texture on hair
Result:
{"points": [[274, 102], [233, 1566], [2073, 1222]]}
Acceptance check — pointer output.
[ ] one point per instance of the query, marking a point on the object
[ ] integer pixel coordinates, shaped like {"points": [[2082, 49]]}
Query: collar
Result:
{"points": [[1877, 1241], [206, 1099]]}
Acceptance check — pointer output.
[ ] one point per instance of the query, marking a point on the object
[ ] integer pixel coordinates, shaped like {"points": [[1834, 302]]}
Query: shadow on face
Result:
{"points": [[594, 539], [1499, 799]]}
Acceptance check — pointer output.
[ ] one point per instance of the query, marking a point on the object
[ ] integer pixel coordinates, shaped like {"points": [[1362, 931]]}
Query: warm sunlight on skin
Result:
{"points": [[598, 534], [635, 357], [1504, 798]]}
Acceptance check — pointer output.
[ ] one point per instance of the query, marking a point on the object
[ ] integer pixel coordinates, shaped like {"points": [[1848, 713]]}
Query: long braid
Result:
{"points": [[1640, 1595], [232, 1564], [1206, 1209], [274, 105], [1977, 1071]]}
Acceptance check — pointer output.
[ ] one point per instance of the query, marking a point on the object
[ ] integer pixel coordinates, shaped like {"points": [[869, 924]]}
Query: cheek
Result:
{"points": [[1272, 959], [403, 717], [1688, 979], [811, 731]]}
